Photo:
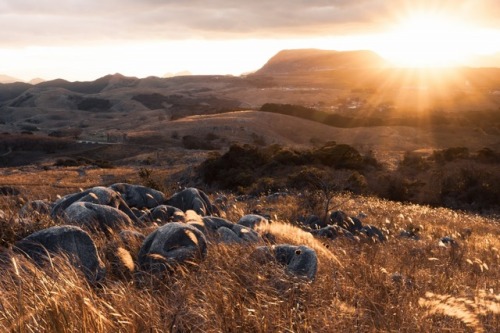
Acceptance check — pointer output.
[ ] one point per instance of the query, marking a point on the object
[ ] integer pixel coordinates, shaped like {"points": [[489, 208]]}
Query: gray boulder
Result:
{"points": [[69, 240], [163, 214], [332, 232], [139, 196], [274, 197], [226, 235], [96, 195], [373, 233], [226, 231], [212, 223], [246, 234], [338, 217], [192, 199], [35, 207], [131, 240], [171, 244], [341, 219], [138, 212], [221, 201], [96, 217], [410, 234], [447, 241], [9, 191], [355, 223], [299, 260], [252, 220], [314, 222]]}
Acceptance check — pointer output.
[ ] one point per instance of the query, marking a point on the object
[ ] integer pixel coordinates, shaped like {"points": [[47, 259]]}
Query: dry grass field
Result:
{"points": [[62, 137], [401, 285]]}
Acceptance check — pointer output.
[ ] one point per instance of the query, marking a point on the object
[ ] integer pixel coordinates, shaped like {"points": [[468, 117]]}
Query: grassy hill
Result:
{"points": [[438, 145], [403, 284]]}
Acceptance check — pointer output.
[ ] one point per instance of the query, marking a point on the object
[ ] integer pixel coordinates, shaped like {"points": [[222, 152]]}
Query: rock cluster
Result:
{"points": [[180, 230]]}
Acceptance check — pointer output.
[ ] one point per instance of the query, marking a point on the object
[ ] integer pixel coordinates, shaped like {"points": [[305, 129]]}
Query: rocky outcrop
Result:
{"points": [[69, 240], [139, 196], [252, 220], [96, 195], [163, 214], [96, 217], [225, 231], [171, 244], [300, 261], [341, 219], [192, 199], [35, 207]]}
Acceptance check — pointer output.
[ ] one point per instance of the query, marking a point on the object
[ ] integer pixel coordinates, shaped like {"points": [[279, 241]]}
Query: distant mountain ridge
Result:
{"points": [[8, 79], [312, 60]]}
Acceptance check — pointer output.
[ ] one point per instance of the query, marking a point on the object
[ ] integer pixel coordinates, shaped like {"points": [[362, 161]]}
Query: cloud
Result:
{"points": [[48, 22], [42, 21]]}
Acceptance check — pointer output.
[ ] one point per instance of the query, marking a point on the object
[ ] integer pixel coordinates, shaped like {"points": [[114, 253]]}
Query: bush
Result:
{"points": [[79, 161], [471, 187], [265, 185], [234, 169], [28, 127], [357, 183], [67, 162], [211, 137], [450, 154], [94, 104], [147, 179], [258, 140], [286, 156], [193, 142], [244, 166], [398, 187], [414, 161], [340, 156], [487, 155], [66, 133]]}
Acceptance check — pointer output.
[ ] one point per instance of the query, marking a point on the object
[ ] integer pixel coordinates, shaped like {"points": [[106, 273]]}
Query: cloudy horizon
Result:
{"points": [[81, 40]]}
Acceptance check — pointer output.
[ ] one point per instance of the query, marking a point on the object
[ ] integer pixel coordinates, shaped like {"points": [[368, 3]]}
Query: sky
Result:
{"points": [[86, 39]]}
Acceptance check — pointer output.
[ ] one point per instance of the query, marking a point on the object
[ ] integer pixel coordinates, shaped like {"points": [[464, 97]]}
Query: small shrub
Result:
{"points": [[414, 161], [94, 104], [29, 128], [211, 137], [340, 156], [193, 142], [450, 154], [357, 183], [66, 133], [487, 155], [147, 179], [258, 140], [104, 164], [66, 162], [471, 187]]}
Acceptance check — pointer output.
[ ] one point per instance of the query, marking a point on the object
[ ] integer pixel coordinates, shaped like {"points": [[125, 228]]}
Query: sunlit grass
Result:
{"points": [[400, 285]]}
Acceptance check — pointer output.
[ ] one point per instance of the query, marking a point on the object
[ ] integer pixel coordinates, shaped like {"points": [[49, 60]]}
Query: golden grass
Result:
{"points": [[401, 285], [464, 309]]}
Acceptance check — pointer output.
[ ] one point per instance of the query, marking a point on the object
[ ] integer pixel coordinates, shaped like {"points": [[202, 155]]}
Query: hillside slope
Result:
{"points": [[312, 60]]}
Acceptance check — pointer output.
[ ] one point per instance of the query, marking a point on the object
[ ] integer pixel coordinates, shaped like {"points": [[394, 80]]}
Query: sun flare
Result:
{"points": [[428, 40]]}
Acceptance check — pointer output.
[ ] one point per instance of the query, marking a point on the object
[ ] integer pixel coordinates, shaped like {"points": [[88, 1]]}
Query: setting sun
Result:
{"points": [[427, 40]]}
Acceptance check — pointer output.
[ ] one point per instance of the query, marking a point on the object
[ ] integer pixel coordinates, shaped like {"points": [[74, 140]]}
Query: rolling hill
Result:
{"points": [[153, 111], [8, 79], [313, 60]]}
